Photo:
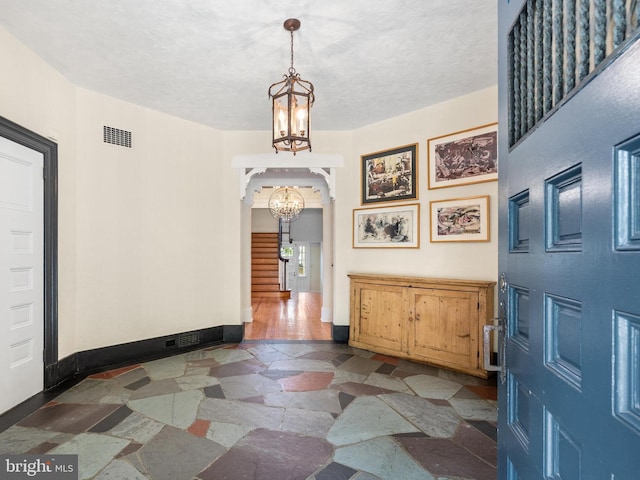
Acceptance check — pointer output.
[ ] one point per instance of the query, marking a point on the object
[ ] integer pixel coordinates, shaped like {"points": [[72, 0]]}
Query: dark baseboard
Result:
{"points": [[340, 333], [81, 364]]}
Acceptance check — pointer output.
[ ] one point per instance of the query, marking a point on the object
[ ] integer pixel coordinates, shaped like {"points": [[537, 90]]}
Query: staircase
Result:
{"points": [[264, 267]]}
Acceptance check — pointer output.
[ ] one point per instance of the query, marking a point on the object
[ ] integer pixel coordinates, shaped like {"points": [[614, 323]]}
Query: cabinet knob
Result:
{"points": [[411, 319]]}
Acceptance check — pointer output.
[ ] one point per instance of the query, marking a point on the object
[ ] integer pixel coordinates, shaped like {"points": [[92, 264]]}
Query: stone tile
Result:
{"points": [[317, 400], [304, 365], [268, 455], [340, 359], [386, 359], [382, 457], [129, 449], [21, 439], [137, 427], [237, 368], [68, 417], [177, 409], [112, 420], [444, 458], [138, 383], [360, 389], [462, 378], [113, 373], [433, 420], [131, 376], [198, 355], [439, 402], [244, 386], [89, 391], [306, 381], [119, 470], [155, 389], [307, 422], [487, 428], [361, 365], [428, 386], [214, 391], [175, 454], [319, 355], [203, 363], [42, 448], [475, 409], [94, 451], [268, 357], [417, 368], [196, 382], [241, 413], [465, 392], [343, 376], [476, 442], [278, 374], [387, 382], [192, 370], [295, 349], [224, 356], [368, 476], [335, 471], [170, 367], [366, 418], [362, 353], [386, 368], [345, 399], [486, 392], [199, 427], [226, 434]]}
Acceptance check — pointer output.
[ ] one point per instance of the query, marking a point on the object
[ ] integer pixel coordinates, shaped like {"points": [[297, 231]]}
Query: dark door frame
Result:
{"points": [[49, 150]]}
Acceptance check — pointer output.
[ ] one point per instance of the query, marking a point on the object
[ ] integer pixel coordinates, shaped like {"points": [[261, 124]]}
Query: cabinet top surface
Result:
{"points": [[370, 277]]}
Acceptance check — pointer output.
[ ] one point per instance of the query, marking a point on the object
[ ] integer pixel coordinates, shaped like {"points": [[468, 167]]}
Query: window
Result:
{"points": [[302, 260]]}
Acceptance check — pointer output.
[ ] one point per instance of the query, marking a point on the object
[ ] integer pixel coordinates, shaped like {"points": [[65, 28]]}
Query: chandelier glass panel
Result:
{"points": [[292, 99]]}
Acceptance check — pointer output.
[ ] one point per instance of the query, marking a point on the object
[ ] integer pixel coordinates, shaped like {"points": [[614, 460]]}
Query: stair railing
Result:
{"points": [[284, 261]]}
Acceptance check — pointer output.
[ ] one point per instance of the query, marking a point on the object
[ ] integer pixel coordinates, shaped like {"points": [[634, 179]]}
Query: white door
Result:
{"points": [[21, 274], [301, 266]]}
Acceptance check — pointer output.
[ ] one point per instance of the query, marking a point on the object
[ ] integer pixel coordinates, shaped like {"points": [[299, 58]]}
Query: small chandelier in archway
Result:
{"points": [[286, 204], [292, 99]]}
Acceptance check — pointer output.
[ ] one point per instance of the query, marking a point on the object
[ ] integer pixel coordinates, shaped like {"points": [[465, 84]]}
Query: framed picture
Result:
{"points": [[387, 227], [390, 175], [461, 158], [460, 219]]}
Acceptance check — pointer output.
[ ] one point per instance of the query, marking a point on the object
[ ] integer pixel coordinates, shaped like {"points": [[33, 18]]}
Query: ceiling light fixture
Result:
{"points": [[292, 99], [286, 204]]}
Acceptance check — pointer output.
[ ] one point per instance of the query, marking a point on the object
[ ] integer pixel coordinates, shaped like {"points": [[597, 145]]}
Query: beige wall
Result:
{"points": [[452, 260], [154, 239]]}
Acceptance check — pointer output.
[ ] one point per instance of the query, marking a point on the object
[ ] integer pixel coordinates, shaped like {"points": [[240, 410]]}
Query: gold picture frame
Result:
{"points": [[464, 157], [393, 226], [460, 220]]}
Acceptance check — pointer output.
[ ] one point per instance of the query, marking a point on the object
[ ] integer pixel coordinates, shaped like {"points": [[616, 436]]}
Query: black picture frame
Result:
{"points": [[390, 175]]}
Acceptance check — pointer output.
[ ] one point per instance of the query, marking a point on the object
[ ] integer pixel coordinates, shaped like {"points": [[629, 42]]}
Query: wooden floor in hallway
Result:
{"points": [[297, 318]]}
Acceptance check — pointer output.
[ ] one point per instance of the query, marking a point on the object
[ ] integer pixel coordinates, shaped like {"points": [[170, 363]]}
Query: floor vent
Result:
{"points": [[115, 136], [188, 339]]}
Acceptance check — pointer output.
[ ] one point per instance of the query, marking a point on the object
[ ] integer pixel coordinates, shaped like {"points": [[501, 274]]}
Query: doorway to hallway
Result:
{"points": [[297, 318]]}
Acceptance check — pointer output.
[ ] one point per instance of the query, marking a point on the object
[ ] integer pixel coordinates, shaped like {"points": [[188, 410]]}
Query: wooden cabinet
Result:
{"points": [[434, 320]]}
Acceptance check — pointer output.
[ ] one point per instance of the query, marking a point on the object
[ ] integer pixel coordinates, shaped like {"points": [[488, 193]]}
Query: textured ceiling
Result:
{"points": [[211, 61]]}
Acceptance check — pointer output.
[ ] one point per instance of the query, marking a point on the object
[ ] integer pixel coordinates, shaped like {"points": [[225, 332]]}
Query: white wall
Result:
{"points": [[35, 96], [155, 240], [449, 260]]}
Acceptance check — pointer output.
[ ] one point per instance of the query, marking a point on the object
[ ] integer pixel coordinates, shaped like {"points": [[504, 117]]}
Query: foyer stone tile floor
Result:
{"points": [[257, 411]]}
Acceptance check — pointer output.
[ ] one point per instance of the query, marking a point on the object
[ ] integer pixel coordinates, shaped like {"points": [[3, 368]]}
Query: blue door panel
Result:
{"points": [[569, 237]]}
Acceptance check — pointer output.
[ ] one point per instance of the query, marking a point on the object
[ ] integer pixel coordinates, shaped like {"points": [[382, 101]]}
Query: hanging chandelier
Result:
{"points": [[292, 99], [286, 204]]}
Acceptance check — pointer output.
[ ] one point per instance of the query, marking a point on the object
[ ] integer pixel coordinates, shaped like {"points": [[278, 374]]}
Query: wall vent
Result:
{"points": [[188, 339], [115, 136]]}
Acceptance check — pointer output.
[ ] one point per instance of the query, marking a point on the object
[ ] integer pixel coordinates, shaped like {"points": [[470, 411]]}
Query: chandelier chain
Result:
{"points": [[292, 70]]}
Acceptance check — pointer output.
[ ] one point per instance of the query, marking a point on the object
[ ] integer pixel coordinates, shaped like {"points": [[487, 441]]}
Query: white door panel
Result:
{"points": [[21, 273]]}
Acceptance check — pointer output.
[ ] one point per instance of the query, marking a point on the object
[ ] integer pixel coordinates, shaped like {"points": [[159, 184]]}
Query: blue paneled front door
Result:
{"points": [[569, 402]]}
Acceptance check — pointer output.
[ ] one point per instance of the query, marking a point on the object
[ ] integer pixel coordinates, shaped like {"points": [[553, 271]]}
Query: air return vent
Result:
{"points": [[116, 136], [188, 339]]}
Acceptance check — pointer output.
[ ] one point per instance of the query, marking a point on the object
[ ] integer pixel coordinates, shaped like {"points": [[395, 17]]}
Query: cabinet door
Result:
{"points": [[444, 327], [380, 313]]}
